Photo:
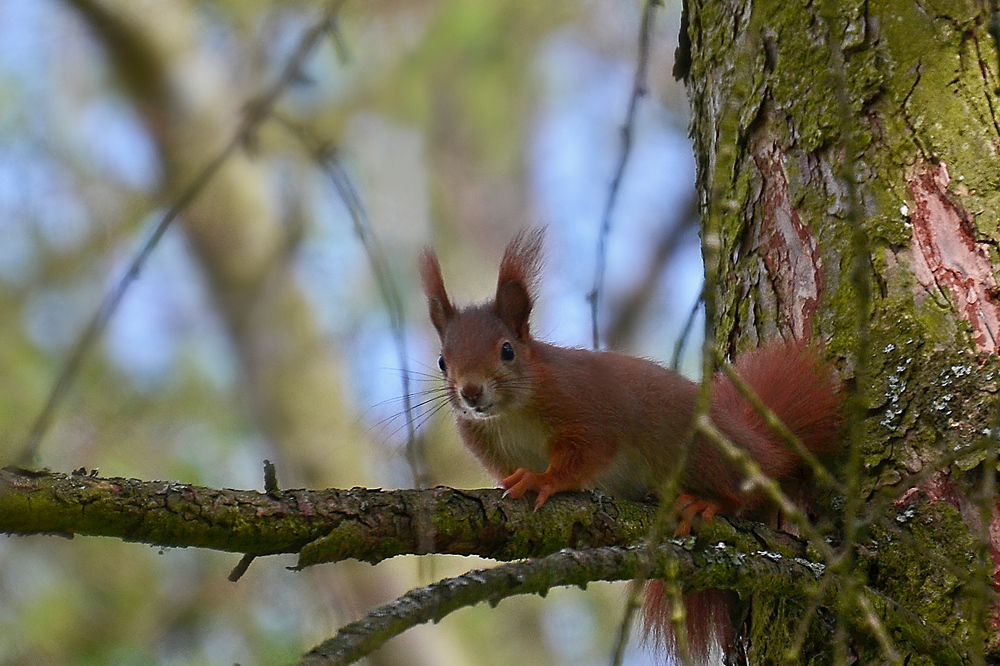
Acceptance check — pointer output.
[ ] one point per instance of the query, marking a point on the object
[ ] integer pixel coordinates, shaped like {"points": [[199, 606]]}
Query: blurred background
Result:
{"points": [[258, 328]]}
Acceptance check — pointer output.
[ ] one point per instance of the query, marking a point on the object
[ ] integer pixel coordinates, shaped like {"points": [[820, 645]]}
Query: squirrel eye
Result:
{"points": [[442, 365], [506, 352]]}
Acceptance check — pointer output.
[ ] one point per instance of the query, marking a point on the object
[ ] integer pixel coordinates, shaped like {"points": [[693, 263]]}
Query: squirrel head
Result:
{"points": [[486, 349]]}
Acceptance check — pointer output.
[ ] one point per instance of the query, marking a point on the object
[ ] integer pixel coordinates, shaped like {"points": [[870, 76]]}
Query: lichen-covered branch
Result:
{"points": [[434, 602], [577, 537], [716, 566], [321, 525]]}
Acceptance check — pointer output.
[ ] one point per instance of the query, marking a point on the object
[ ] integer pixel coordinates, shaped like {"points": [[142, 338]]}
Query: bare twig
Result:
{"points": [[253, 116], [632, 605], [326, 157], [638, 91], [628, 314], [675, 360], [270, 478], [241, 568]]}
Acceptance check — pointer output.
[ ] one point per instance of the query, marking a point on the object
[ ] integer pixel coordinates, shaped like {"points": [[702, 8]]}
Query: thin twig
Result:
{"points": [[756, 478], [241, 568], [638, 91], [632, 605], [253, 116], [889, 650], [343, 55], [270, 479], [794, 653], [675, 360], [628, 314], [326, 157]]}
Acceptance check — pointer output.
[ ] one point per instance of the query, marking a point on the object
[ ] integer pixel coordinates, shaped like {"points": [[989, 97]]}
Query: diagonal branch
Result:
{"points": [[711, 567], [434, 602], [256, 113]]}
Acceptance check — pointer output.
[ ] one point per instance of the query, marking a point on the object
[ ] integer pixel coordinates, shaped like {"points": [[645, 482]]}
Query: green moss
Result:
{"points": [[779, 616], [920, 84], [919, 569]]}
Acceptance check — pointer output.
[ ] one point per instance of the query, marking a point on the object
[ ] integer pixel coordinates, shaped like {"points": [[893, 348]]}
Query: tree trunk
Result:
{"points": [[788, 100]]}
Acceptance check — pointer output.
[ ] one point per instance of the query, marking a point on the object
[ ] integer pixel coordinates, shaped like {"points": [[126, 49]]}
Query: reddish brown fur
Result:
{"points": [[709, 617], [546, 419]]}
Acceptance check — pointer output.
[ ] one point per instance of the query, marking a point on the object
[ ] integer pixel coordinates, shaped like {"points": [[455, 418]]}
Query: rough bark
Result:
{"points": [[787, 99]]}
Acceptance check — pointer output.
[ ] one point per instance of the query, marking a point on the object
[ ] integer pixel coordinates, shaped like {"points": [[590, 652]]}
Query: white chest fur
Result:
{"points": [[511, 441]]}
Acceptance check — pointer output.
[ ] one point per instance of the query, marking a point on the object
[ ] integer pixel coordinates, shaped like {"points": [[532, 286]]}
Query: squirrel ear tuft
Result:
{"points": [[438, 304], [522, 261]]}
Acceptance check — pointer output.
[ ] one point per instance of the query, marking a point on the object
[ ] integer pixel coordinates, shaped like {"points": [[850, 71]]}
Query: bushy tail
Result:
{"points": [[801, 388], [709, 622], [794, 381]]}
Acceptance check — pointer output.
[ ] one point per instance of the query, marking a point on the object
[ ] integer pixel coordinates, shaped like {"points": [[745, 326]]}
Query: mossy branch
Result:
{"points": [[713, 566], [332, 524], [321, 525], [577, 537], [699, 570]]}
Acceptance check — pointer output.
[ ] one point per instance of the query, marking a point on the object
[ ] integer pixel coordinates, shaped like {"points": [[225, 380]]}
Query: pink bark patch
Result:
{"points": [[946, 256], [787, 246]]}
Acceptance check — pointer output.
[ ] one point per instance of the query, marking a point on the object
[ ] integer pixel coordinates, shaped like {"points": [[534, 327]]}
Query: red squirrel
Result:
{"points": [[545, 419]]}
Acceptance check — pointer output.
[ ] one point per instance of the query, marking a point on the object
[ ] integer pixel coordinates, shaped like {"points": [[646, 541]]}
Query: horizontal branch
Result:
{"points": [[321, 525], [372, 525]]}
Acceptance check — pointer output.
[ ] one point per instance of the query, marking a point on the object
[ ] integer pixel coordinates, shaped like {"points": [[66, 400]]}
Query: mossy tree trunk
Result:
{"points": [[788, 100]]}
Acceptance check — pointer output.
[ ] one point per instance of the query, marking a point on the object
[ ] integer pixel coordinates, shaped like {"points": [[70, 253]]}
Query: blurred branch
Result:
{"points": [[630, 312], [290, 378], [324, 154], [254, 114], [778, 427], [638, 92], [860, 276]]}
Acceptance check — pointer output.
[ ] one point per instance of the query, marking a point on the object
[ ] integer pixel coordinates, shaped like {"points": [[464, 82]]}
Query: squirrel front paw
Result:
{"points": [[524, 480]]}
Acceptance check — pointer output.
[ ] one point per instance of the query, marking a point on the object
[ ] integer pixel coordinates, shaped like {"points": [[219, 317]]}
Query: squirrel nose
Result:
{"points": [[471, 394]]}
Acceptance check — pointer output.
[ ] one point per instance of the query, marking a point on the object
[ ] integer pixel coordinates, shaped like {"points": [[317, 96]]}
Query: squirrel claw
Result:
{"points": [[689, 506], [522, 481]]}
